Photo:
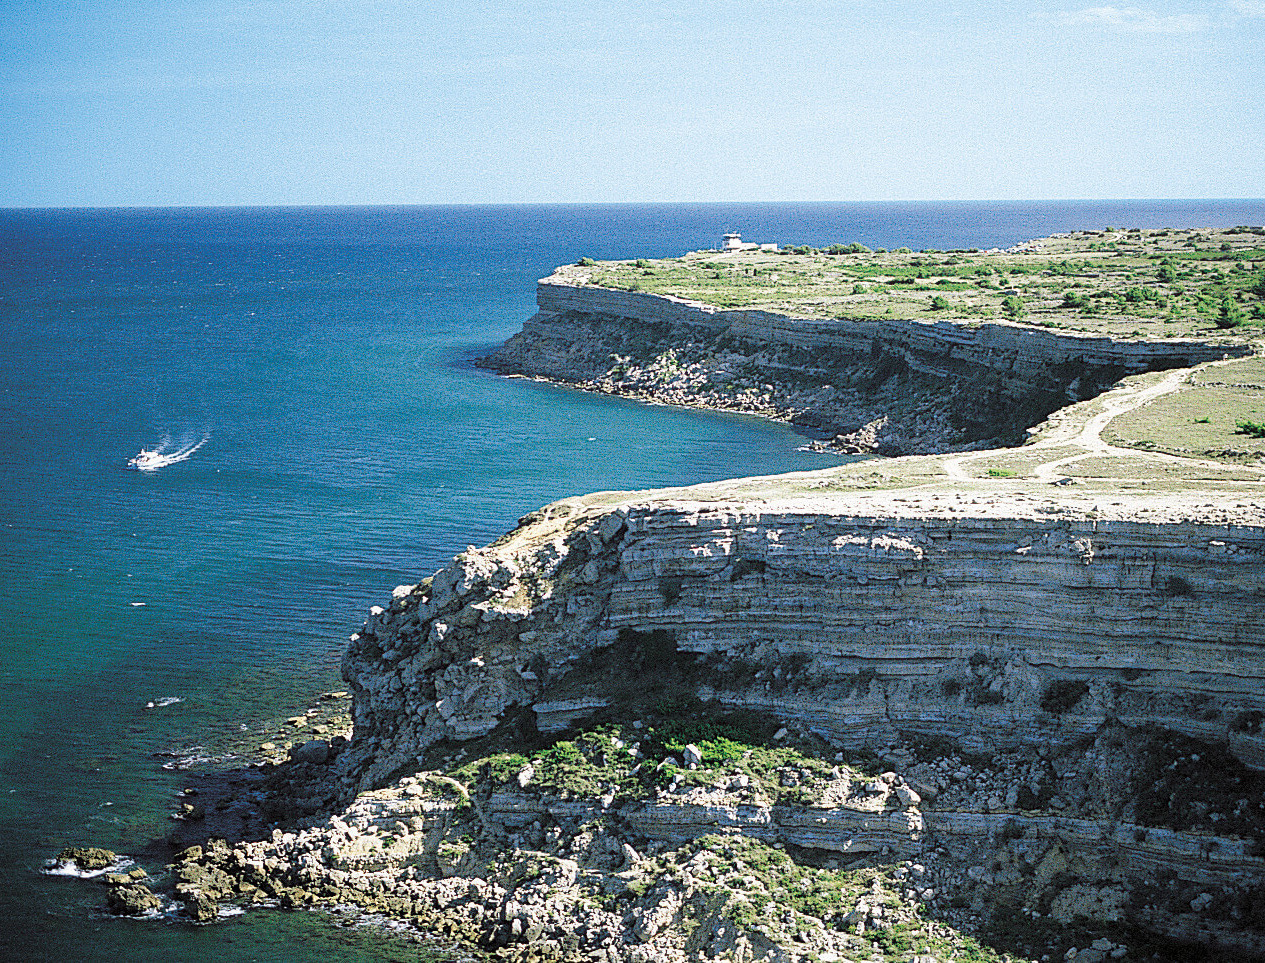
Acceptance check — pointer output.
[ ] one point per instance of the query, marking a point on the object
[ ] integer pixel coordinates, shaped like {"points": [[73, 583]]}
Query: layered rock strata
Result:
{"points": [[884, 385], [1075, 644], [993, 631], [537, 877]]}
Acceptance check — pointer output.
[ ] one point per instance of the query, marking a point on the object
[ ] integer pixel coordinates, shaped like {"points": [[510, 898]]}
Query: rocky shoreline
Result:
{"points": [[902, 421], [747, 844], [710, 811]]}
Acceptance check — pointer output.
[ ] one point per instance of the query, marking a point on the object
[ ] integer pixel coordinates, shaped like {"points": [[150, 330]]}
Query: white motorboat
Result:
{"points": [[146, 460], [152, 459]]}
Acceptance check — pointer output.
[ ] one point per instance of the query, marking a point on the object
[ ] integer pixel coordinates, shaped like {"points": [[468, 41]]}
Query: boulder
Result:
{"points": [[87, 858], [314, 752], [200, 908], [133, 899]]}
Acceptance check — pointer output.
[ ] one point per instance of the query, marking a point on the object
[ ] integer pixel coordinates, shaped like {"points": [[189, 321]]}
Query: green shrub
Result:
{"points": [[939, 303], [1013, 306], [564, 768], [1075, 299], [1253, 429], [1230, 314], [586, 262]]}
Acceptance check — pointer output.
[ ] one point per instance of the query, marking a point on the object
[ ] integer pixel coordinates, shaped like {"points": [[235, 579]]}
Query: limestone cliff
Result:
{"points": [[994, 629], [894, 386], [1101, 656]]}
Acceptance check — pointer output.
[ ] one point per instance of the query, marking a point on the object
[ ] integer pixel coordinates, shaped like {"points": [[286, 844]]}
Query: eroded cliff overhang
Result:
{"points": [[994, 631]]}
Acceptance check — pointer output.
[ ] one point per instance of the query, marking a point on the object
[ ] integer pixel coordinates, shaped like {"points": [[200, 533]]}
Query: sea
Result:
{"points": [[307, 378]]}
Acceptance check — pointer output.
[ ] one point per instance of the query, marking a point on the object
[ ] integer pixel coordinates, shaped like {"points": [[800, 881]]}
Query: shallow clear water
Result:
{"points": [[325, 356]]}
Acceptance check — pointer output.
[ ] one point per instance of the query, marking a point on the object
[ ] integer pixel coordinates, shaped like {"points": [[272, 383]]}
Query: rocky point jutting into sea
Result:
{"points": [[891, 386], [946, 706]]}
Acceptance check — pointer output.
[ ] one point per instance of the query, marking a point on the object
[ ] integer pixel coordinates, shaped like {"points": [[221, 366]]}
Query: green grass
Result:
{"points": [[1154, 283], [1221, 416]]}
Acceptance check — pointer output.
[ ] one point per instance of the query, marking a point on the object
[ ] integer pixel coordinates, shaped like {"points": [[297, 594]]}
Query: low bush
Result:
{"points": [[1229, 315]]}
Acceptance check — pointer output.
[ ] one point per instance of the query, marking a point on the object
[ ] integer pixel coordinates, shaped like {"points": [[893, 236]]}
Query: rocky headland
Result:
{"points": [[981, 704], [881, 370]]}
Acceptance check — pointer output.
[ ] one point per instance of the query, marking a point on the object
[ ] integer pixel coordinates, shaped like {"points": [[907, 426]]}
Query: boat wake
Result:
{"points": [[148, 459]]}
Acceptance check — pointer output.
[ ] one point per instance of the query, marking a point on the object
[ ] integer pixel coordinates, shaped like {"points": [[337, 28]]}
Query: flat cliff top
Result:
{"points": [[1078, 466], [1120, 283]]}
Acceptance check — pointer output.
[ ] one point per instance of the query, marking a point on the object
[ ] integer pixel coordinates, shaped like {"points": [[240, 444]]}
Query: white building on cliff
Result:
{"points": [[734, 242]]}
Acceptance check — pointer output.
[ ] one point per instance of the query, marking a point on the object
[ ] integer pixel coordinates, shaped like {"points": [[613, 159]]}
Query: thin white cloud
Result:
{"points": [[1138, 20], [1248, 8]]}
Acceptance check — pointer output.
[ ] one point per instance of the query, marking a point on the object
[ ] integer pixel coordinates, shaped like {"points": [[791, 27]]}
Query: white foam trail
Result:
{"points": [[54, 867], [156, 458]]}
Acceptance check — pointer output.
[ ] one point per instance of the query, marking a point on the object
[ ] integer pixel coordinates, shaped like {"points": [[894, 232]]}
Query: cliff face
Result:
{"points": [[916, 386], [1105, 674], [994, 631]]}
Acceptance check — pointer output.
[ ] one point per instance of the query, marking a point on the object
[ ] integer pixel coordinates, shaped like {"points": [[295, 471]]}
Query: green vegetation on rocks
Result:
{"points": [[1162, 283], [87, 859], [629, 762]]}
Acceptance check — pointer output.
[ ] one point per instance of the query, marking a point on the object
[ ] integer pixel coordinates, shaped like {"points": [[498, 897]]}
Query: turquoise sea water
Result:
{"points": [[323, 357]]}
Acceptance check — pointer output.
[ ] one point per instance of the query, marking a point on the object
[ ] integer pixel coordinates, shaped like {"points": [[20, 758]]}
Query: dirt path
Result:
{"points": [[1069, 430]]}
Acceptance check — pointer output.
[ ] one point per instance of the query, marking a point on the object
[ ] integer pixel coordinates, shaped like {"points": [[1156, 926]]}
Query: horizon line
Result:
{"points": [[580, 204]]}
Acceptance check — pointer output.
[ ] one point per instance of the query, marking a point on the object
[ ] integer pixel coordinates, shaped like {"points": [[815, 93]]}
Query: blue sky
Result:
{"points": [[123, 102]]}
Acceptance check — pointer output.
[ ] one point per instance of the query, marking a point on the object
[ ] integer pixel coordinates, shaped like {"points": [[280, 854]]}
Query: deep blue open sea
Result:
{"points": [[322, 357]]}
